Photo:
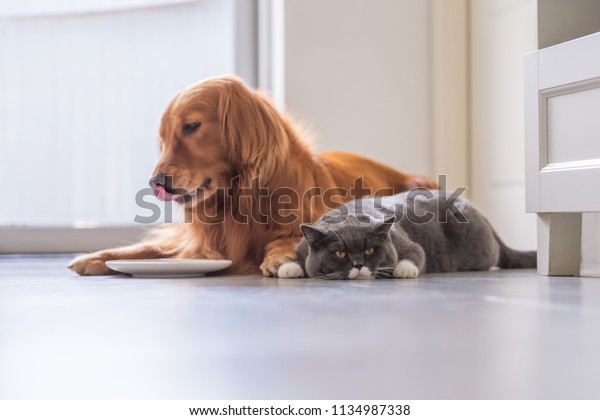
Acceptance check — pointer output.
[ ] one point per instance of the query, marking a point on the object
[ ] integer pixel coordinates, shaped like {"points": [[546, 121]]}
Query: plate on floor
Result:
{"points": [[167, 267]]}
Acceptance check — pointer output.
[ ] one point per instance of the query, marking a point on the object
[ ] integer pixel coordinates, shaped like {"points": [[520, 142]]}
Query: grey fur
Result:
{"points": [[437, 231]]}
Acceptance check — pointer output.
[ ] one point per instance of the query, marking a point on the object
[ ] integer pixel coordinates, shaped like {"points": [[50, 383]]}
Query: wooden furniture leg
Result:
{"points": [[559, 244]]}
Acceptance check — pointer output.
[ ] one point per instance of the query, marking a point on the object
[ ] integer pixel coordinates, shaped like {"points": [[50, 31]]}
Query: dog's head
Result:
{"points": [[212, 132]]}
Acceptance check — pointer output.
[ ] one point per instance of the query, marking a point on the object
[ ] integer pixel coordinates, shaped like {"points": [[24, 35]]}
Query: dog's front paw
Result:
{"points": [[290, 270], [93, 264], [406, 269], [271, 263]]}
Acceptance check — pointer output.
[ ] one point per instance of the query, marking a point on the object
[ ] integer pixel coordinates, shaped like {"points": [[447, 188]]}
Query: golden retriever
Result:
{"points": [[246, 180]]}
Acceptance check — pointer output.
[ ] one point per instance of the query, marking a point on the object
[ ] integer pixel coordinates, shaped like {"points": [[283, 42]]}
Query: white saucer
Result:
{"points": [[167, 267]]}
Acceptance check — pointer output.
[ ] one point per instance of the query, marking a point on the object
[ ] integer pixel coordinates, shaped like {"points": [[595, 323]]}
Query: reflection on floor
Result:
{"points": [[499, 334]]}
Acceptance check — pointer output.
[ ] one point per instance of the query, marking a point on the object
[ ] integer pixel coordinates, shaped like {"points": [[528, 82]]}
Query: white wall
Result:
{"points": [[450, 87], [359, 72], [501, 32]]}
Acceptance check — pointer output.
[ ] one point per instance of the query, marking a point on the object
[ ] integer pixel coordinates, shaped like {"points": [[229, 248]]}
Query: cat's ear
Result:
{"points": [[382, 231], [315, 237]]}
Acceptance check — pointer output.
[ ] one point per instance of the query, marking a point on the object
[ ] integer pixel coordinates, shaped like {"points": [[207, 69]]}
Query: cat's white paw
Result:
{"points": [[406, 269], [290, 270]]}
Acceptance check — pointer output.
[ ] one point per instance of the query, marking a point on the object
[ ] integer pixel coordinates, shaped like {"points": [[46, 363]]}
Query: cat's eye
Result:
{"points": [[369, 251], [340, 254], [190, 128]]}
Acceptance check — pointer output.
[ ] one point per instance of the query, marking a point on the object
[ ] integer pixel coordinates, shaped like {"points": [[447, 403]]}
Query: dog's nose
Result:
{"points": [[358, 266], [158, 180]]}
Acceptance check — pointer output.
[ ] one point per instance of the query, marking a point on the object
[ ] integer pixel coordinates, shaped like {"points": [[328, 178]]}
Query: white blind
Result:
{"points": [[81, 95]]}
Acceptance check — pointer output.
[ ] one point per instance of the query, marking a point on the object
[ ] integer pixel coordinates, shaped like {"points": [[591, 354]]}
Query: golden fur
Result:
{"points": [[242, 137]]}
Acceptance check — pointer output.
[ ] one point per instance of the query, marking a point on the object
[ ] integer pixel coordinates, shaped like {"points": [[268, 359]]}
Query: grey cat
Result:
{"points": [[401, 236]]}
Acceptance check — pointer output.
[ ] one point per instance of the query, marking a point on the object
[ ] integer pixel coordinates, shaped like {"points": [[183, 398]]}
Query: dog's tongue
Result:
{"points": [[164, 195]]}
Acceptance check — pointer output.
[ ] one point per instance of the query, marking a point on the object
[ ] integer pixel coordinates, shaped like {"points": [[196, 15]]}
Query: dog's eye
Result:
{"points": [[369, 251], [340, 254], [189, 128]]}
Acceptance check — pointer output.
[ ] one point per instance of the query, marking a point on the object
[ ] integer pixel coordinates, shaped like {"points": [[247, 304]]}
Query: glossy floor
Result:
{"points": [[499, 334]]}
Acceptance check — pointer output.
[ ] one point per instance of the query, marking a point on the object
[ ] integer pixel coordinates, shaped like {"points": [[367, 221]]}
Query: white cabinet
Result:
{"points": [[562, 136]]}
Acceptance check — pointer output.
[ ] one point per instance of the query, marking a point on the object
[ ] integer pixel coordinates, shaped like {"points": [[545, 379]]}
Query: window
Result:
{"points": [[82, 87]]}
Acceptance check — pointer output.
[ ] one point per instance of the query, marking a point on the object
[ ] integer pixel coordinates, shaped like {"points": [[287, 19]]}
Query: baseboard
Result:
{"points": [[590, 269], [55, 240]]}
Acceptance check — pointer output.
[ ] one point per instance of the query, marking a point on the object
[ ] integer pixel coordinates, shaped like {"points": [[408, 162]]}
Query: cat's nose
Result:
{"points": [[358, 266]]}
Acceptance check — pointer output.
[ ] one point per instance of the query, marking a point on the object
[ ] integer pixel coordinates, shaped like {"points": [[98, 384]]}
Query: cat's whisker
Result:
{"points": [[336, 275]]}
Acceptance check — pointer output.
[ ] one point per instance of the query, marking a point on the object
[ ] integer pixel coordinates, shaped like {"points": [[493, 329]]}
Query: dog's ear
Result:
{"points": [[253, 131]]}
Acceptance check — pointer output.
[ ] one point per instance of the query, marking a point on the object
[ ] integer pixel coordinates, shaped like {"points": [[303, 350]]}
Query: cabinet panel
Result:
{"points": [[574, 126]]}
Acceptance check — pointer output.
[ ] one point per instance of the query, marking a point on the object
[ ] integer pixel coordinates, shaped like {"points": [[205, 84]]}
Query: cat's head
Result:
{"points": [[350, 249]]}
